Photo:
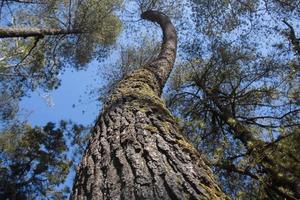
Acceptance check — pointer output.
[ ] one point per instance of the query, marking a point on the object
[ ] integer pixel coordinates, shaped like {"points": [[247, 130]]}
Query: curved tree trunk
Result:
{"points": [[136, 150]]}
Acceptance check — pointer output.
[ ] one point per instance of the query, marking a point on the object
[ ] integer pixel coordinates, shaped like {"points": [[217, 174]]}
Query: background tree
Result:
{"points": [[229, 108], [35, 161], [42, 38], [237, 98]]}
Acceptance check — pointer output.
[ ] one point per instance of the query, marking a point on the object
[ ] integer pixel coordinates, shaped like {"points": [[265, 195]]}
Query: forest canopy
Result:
{"points": [[234, 90]]}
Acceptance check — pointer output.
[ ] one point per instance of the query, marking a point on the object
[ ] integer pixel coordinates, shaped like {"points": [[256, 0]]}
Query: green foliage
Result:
{"points": [[35, 62], [100, 25], [33, 161], [285, 154], [231, 91]]}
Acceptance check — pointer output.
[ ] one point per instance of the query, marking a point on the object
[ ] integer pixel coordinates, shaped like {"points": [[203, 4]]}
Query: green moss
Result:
{"points": [[186, 195], [141, 86], [178, 180], [151, 128], [231, 121], [184, 144], [187, 146], [167, 126], [144, 110], [212, 192]]}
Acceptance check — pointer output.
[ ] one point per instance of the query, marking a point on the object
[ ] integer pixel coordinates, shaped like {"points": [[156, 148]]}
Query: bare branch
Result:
{"points": [[34, 32]]}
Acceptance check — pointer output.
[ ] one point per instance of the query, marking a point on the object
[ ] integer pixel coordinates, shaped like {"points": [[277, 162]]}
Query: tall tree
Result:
{"points": [[136, 150]]}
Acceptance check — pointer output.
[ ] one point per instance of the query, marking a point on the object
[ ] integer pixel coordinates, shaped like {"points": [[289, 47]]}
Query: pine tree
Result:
{"points": [[136, 150]]}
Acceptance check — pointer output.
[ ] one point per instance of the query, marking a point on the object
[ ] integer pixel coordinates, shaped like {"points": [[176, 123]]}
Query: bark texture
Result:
{"points": [[136, 150]]}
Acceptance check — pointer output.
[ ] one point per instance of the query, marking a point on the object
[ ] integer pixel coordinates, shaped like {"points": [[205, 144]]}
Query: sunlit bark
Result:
{"points": [[136, 150]]}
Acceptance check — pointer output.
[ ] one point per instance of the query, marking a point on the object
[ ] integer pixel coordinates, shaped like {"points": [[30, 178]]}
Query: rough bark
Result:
{"points": [[34, 32], [136, 150]]}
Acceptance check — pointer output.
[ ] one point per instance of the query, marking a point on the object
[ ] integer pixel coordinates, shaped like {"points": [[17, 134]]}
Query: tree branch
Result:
{"points": [[292, 37], [35, 32]]}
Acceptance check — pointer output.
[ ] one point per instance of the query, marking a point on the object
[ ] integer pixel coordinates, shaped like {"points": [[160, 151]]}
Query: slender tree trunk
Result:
{"points": [[136, 150], [257, 149], [34, 32]]}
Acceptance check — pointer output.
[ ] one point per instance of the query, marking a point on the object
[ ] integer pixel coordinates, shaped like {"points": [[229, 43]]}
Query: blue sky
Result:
{"points": [[74, 86], [73, 91]]}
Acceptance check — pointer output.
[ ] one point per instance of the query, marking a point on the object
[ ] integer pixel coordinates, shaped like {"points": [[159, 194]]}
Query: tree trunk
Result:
{"points": [[136, 150]]}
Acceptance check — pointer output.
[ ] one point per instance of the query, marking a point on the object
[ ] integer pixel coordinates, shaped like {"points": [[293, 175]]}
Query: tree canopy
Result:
{"points": [[238, 94], [235, 89], [41, 38]]}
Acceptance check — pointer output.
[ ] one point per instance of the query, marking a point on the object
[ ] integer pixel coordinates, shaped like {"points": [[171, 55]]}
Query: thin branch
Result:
{"points": [[70, 14], [270, 117], [26, 2], [29, 52], [231, 167], [292, 37]]}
